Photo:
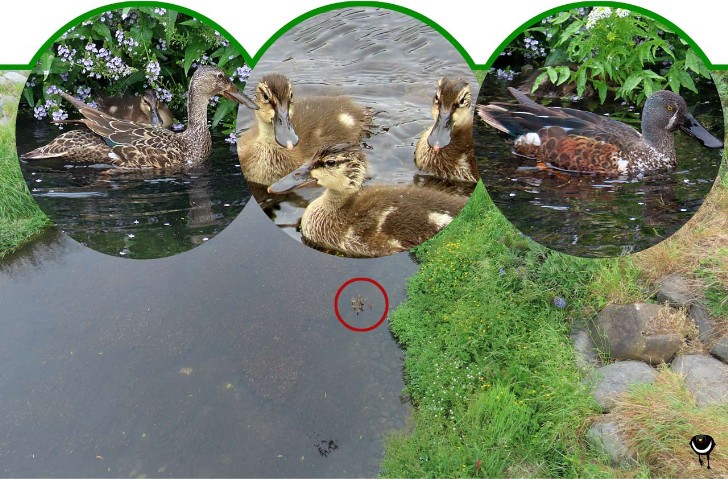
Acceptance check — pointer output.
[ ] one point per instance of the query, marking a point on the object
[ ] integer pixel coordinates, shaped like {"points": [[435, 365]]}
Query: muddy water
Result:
{"points": [[226, 360]]}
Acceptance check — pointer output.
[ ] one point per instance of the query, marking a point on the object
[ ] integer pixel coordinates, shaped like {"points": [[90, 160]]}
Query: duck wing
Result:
{"points": [[76, 145]]}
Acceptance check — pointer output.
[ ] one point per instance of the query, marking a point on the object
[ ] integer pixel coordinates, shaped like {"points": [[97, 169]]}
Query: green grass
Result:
{"points": [[20, 216], [489, 364]]}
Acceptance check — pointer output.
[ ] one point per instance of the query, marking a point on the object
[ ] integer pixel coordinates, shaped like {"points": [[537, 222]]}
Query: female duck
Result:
{"points": [[287, 132], [136, 146], [584, 142], [83, 145], [446, 149], [365, 222]]}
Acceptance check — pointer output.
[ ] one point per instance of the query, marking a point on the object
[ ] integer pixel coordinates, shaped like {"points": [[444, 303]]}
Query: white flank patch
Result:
{"points": [[528, 139], [346, 119], [394, 243], [439, 219], [383, 217], [114, 156], [113, 109], [622, 165]]}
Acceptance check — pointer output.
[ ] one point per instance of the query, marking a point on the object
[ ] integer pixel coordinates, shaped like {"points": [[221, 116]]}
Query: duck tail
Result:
{"points": [[493, 115], [522, 98], [74, 101]]}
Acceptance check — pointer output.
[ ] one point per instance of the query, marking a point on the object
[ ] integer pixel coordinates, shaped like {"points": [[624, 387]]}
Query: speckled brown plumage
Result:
{"points": [[84, 146], [579, 141], [445, 150], [366, 221], [307, 123], [139, 146]]}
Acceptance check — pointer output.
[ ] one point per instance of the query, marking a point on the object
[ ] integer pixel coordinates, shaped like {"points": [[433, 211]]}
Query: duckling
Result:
{"points": [[144, 108], [135, 146], [446, 149], [287, 132], [83, 145], [365, 222], [583, 142]]}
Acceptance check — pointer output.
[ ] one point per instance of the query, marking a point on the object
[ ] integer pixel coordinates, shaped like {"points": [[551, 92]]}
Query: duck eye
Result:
{"points": [[330, 162], [670, 107], [436, 100], [265, 96]]}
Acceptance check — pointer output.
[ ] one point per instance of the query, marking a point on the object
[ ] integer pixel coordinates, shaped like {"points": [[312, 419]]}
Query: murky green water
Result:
{"points": [[595, 216], [135, 215]]}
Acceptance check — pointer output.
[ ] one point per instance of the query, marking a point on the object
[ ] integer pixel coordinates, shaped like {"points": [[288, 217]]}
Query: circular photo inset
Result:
{"points": [[113, 134], [362, 143], [598, 131]]}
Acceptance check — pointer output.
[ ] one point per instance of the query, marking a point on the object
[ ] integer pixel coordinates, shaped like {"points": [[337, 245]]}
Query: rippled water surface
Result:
{"points": [[136, 215], [591, 215], [381, 59]]}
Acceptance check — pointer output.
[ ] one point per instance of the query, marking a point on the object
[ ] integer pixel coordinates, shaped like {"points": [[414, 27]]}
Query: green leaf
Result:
{"points": [[686, 80], [557, 56], [170, 28], [569, 31], [537, 82], [553, 74], [631, 82], [102, 30], [580, 81], [28, 95], [563, 16], [652, 75], [230, 51], [223, 108], [564, 74], [674, 82], [46, 61], [192, 52], [602, 89], [692, 62], [647, 86]]}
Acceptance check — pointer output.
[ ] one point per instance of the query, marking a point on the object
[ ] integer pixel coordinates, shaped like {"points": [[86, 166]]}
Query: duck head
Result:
{"points": [[275, 97], [450, 109], [148, 104], [340, 168], [667, 111], [209, 81]]}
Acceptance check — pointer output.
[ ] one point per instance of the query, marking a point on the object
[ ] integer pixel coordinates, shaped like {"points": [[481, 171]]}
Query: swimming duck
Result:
{"points": [[288, 132], [143, 108], [584, 142], [365, 222], [446, 149], [135, 145], [83, 145]]}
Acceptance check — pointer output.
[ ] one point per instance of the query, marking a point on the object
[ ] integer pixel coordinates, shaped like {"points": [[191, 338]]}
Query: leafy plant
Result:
{"points": [[127, 51], [615, 51]]}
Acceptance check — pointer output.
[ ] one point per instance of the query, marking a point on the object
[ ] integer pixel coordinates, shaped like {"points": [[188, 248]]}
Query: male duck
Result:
{"points": [[365, 222], [287, 132], [135, 145], [86, 146], [446, 149], [584, 142]]}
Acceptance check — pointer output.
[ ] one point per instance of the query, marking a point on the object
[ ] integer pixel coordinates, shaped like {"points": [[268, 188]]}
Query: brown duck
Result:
{"points": [[139, 146], [365, 222], [83, 145], [288, 132], [584, 142], [446, 149]]}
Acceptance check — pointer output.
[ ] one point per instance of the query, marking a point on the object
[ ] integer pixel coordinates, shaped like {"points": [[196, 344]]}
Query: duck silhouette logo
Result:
{"points": [[702, 444]]}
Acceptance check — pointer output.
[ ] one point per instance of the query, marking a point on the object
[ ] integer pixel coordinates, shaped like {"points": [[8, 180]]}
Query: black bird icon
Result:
{"points": [[702, 444]]}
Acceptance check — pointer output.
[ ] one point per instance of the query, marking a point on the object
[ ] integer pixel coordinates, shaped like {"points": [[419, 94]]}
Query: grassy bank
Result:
{"points": [[490, 365], [20, 217]]}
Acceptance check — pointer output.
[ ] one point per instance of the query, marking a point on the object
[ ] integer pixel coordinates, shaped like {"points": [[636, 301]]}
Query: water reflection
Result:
{"points": [[134, 214], [226, 360], [595, 216]]}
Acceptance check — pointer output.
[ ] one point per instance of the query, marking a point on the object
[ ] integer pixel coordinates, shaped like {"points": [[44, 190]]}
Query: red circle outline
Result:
{"points": [[349, 326]]}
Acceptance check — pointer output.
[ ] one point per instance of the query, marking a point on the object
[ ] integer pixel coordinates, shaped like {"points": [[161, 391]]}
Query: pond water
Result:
{"points": [[226, 360], [380, 58], [594, 216], [135, 215]]}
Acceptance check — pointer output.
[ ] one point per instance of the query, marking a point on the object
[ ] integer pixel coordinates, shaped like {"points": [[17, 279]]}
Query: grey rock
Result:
{"points": [[585, 351], [705, 377], [675, 291], [720, 349], [616, 378], [606, 437], [622, 332], [701, 317], [16, 77]]}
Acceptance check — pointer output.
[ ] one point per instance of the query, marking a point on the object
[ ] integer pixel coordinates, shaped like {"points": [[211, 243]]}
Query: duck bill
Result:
{"points": [[233, 93], [693, 128], [298, 178], [441, 132], [285, 136]]}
